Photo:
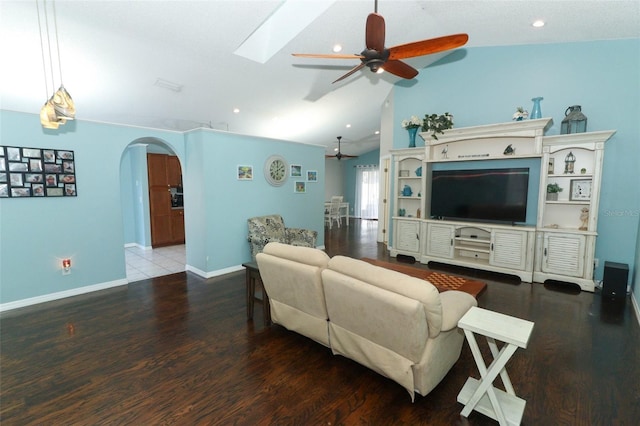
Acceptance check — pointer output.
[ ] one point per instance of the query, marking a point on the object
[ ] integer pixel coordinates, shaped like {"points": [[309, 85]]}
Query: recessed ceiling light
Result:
{"points": [[236, 110], [539, 23], [335, 149], [377, 132], [337, 48], [348, 125]]}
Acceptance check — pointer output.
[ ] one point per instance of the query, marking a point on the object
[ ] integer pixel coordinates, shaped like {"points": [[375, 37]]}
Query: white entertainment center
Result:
{"points": [[561, 244]]}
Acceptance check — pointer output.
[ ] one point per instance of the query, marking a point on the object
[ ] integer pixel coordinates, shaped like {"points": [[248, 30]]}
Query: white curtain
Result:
{"points": [[367, 184]]}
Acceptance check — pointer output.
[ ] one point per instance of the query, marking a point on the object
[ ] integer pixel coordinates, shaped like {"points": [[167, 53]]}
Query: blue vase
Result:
{"points": [[536, 112], [413, 131]]}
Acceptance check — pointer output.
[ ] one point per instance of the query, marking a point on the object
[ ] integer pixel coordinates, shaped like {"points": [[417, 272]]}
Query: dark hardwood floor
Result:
{"points": [[179, 350]]}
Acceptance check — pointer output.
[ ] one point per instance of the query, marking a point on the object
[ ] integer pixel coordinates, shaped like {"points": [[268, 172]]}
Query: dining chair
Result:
{"points": [[333, 212]]}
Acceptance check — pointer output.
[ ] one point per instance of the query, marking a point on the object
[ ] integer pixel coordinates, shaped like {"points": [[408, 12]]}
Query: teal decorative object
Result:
{"points": [[419, 171], [536, 112], [406, 191], [413, 131]]}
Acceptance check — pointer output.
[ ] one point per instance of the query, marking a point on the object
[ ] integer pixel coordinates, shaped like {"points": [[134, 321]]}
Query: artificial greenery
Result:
{"points": [[435, 123], [553, 188]]}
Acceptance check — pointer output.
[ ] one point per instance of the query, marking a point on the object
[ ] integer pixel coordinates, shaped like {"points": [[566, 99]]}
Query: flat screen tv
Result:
{"points": [[491, 195]]}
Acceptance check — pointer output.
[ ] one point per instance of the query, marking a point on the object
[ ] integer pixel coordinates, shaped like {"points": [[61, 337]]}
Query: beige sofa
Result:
{"points": [[397, 325]]}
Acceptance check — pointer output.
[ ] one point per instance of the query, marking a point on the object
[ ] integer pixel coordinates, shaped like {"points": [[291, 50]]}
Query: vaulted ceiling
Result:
{"points": [[118, 57]]}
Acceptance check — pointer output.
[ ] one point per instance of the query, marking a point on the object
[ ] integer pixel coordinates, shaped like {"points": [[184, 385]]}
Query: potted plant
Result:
{"points": [[552, 191], [435, 123]]}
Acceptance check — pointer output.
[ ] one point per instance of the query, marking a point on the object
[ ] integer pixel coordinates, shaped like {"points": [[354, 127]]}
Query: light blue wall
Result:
{"points": [[485, 85], [36, 233]]}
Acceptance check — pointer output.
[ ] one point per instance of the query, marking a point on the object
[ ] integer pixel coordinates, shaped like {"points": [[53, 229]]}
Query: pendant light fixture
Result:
{"points": [[59, 107]]}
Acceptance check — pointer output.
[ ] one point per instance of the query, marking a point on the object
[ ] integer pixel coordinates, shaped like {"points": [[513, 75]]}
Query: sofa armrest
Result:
{"points": [[301, 237], [454, 305]]}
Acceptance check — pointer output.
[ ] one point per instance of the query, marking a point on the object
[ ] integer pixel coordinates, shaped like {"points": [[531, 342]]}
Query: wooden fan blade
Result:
{"points": [[354, 69], [375, 32], [400, 69], [427, 47], [327, 56]]}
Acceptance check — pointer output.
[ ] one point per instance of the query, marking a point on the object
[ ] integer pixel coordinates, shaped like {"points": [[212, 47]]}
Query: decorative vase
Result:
{"points": [[536, 112], [413, 131]]}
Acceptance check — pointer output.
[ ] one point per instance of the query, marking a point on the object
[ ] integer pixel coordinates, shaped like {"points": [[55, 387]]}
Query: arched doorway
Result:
{"points": [[154, 236]]}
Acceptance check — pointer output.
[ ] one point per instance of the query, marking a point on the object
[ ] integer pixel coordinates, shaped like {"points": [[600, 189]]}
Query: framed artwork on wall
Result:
{"points": [[300, 187], [312, 175], [245, 173], [296, 170], [36, 172]]}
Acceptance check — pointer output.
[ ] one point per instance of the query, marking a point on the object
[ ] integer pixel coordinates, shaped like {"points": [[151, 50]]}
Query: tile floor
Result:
{"points": [[143, 264]]}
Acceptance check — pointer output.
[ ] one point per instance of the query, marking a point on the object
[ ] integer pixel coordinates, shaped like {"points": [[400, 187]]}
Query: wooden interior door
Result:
{"points": [[159, 200]]}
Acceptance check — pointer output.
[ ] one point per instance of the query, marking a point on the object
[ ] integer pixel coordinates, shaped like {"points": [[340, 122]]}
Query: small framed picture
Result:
{"points": [[16, 179], [54, 192], [51, 180], [33, 177], [4, 190], [300, 187], [53, 168], [245, 172], [65, 155], [18, 167], [35, 165], [31, 152], [550, 169], [312, 175], [37, 189], [68, 167], [49, 155], [70, 189], [580, 190], [13, 154], [296, 170]]}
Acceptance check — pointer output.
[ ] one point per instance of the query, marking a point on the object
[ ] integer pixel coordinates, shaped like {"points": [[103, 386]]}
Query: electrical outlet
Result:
{"points": [[596, 262]]}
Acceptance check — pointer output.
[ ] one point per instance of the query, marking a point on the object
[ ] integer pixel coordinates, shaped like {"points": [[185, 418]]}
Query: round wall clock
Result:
{"points": [[275, 170]]}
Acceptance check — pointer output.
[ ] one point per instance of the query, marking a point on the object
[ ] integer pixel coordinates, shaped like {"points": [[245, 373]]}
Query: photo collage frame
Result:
{"points": [[37, 172]]}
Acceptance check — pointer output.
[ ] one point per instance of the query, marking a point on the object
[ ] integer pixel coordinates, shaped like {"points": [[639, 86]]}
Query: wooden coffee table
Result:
{"points": [[474, 288]]}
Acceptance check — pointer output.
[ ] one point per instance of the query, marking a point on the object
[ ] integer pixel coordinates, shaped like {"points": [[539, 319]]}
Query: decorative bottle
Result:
{"points": [[536, 112]]}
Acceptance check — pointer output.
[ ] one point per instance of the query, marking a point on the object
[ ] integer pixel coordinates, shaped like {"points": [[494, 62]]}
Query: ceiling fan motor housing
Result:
{"points": [[374, 59]]}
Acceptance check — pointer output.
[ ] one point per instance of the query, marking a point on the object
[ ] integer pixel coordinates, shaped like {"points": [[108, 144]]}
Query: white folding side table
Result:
{"points": [[481, 395]]}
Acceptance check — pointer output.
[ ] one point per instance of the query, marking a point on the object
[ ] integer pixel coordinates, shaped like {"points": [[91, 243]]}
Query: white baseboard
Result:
{"points": [[216, 273], [60, 295], [141, 247]]}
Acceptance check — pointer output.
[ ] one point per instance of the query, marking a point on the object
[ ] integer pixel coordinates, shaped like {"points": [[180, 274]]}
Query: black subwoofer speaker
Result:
{"points": [[614, 283]]}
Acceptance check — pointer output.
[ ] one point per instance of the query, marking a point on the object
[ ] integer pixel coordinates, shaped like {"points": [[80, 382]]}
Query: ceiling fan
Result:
{"points": [[376, 56], [340, 155]]}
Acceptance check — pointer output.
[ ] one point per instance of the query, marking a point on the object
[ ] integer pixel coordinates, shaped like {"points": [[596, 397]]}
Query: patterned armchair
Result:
{"points": [[265, 229]]}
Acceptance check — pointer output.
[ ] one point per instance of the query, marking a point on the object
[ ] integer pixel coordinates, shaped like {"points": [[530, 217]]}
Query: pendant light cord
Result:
{"points": [[44, 63], [55, 23]]}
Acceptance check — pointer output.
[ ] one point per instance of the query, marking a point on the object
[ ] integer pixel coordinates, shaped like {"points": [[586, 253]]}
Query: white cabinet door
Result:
{"points": [[508, 249], [440, 240], [563, 254], [408, 236]]}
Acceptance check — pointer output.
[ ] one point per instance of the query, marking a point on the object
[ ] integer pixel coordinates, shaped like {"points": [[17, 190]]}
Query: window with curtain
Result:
{"points": [[367, 189]]}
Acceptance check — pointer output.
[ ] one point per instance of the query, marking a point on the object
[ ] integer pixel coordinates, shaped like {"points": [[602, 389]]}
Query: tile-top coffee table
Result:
{"points": [[481, 395]]}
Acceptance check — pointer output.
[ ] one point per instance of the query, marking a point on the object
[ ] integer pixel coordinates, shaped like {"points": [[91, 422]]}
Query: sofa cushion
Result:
{"points": [[291, 276], [414, 288]]}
